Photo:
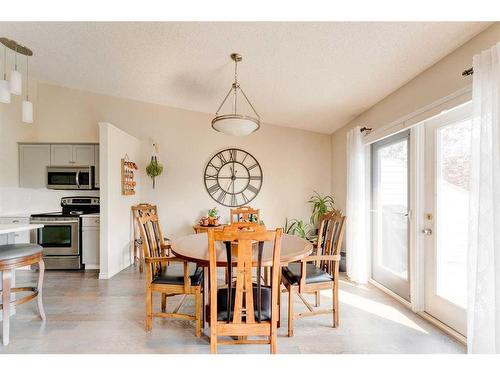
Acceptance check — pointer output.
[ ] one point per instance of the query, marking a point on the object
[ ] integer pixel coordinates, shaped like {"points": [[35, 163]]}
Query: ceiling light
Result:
{"points": [[234, 123], [16, 82], [4, 84]]}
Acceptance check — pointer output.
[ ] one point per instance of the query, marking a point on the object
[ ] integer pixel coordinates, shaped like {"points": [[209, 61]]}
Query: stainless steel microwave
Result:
{"points": [[71, 178]]}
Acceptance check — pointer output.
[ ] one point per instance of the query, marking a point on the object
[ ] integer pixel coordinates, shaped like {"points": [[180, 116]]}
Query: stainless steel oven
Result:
{"points": [[70, 178], [60, 239]]}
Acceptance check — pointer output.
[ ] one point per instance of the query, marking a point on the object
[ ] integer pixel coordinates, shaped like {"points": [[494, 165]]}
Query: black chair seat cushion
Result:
{"points": [[18, 250], [174, 274], [266, 302], [291, 274]]}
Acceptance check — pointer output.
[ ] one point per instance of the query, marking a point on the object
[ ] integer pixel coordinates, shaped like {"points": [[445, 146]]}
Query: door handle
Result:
{"points": [[427, 231], [77, 178]]}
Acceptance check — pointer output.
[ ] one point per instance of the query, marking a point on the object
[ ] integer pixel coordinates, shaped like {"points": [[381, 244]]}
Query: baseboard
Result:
{"points": [[391, 293], [437, 323], [443, 327]]}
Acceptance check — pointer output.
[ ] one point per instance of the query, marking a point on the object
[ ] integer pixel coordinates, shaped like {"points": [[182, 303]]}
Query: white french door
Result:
{"points": [[447, 156], [390, 213]]}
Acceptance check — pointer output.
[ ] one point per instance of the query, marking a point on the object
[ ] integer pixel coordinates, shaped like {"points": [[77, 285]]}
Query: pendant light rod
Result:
{"points": [[4, 63], [27, 77]]}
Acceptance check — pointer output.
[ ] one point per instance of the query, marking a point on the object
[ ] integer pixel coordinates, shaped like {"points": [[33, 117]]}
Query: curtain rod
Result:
{"points": [[468, 72]]}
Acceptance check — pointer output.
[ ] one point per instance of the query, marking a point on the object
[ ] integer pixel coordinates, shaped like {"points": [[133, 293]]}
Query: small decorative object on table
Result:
{"points": [[213, 217], [154, 168], [128, 183]]}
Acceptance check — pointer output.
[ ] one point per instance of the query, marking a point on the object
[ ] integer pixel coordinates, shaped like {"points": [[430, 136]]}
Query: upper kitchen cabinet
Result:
{"points": [[33, 162], [68, 155]]}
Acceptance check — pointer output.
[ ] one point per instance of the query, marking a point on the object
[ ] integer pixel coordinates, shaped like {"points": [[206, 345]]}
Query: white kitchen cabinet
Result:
{"points": [[33, 162], [71, 154], [90, 242], [61, 155], [18, 237], [96, 160], [84, 154]]}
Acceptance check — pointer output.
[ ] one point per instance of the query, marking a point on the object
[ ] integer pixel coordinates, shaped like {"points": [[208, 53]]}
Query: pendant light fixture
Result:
{"points": [[15, 85], [234, 123], [27, 105], [4, 84], [16, 80]]}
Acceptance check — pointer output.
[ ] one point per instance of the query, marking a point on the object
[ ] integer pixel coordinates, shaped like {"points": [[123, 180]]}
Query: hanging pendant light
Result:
{"points": [[16, 80], [234, 123], [4, 84], [15, 85], [27, 110]]}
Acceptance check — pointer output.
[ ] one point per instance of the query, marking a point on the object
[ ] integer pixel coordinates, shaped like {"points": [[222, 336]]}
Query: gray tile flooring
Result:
{"points": [[87, 315]]}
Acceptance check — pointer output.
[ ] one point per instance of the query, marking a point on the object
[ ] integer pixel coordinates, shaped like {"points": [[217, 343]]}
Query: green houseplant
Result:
{"points": [[154, 169], [298, 228], [320, 206]]}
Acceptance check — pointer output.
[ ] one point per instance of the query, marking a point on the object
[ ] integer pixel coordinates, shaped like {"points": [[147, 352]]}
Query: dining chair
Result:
{"points": [[137, 211], [318, 271], [245, 307], [163, 274], [244, 214]]}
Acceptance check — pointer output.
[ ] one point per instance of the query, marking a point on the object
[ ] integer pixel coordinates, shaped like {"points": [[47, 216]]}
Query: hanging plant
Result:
{"points": [[154, 168]]}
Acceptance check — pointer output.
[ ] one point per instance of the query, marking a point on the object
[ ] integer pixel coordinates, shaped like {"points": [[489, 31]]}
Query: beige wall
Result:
{"points": [[440, 80], [294, 162], [116, 242]]}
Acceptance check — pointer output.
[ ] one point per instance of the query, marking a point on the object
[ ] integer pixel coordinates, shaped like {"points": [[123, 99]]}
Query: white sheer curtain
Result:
{"points": [[483, 317], [357, 251]]}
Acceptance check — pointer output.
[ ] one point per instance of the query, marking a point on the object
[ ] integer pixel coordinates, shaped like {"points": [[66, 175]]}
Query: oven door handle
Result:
{"points": [[77, 178]]}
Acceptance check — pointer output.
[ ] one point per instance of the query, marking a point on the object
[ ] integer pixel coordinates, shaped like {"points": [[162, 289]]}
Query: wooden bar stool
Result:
{"points": [[12, 257]]}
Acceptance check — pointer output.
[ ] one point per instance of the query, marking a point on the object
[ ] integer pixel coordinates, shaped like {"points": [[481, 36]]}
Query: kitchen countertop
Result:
{"points": [[13, 228]]}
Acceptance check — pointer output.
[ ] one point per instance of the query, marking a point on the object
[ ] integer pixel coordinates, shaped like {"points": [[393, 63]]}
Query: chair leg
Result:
{"points": [[41, 271], [273, 343], [6, 278], [163, 302], [318, 298], [279, 299], [149, 308], [213, 342], [336, 312], [291, 292], [197, 297], [141, 261]]}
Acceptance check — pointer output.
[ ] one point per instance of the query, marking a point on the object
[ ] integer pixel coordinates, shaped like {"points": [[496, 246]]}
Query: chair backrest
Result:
{"points": [[152, 241], [245, 214], [244, 245], [330, 234], [137, 211]]}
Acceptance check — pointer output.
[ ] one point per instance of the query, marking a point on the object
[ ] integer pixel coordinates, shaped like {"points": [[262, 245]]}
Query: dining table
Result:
{"points": [[194, 248]]}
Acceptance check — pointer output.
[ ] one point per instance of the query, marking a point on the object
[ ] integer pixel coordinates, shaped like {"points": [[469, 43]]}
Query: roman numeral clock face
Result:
{"points": [[233, 177]]}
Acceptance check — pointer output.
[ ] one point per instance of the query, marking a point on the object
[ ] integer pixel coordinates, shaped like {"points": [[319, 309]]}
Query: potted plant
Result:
{"points": [[298, 228], [213, 216], [321, 205], [154, 168]]}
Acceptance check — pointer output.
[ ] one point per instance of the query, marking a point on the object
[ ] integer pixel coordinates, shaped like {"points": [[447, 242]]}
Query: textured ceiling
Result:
{"points": [[315, 76]]}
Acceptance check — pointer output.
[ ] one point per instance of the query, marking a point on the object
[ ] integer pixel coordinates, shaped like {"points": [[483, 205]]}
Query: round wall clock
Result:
{"points": [[233, 177]]}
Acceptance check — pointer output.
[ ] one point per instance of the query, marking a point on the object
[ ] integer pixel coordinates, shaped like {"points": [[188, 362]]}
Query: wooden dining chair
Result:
{"points": [[163, 274], [318, 271], [244, 214], [245, 307], [138, 211]]}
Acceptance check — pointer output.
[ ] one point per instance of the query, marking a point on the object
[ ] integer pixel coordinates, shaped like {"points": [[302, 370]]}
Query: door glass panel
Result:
{"points": [[393, 201], [452, 204], [390, 221]]}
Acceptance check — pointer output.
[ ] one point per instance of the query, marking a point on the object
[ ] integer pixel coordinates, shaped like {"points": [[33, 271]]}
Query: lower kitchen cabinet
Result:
{"points": [[90, 242], [19, 237]]}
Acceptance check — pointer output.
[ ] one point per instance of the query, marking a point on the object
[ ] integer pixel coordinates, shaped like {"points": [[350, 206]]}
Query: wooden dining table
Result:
{"points": [[194, 248]]}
